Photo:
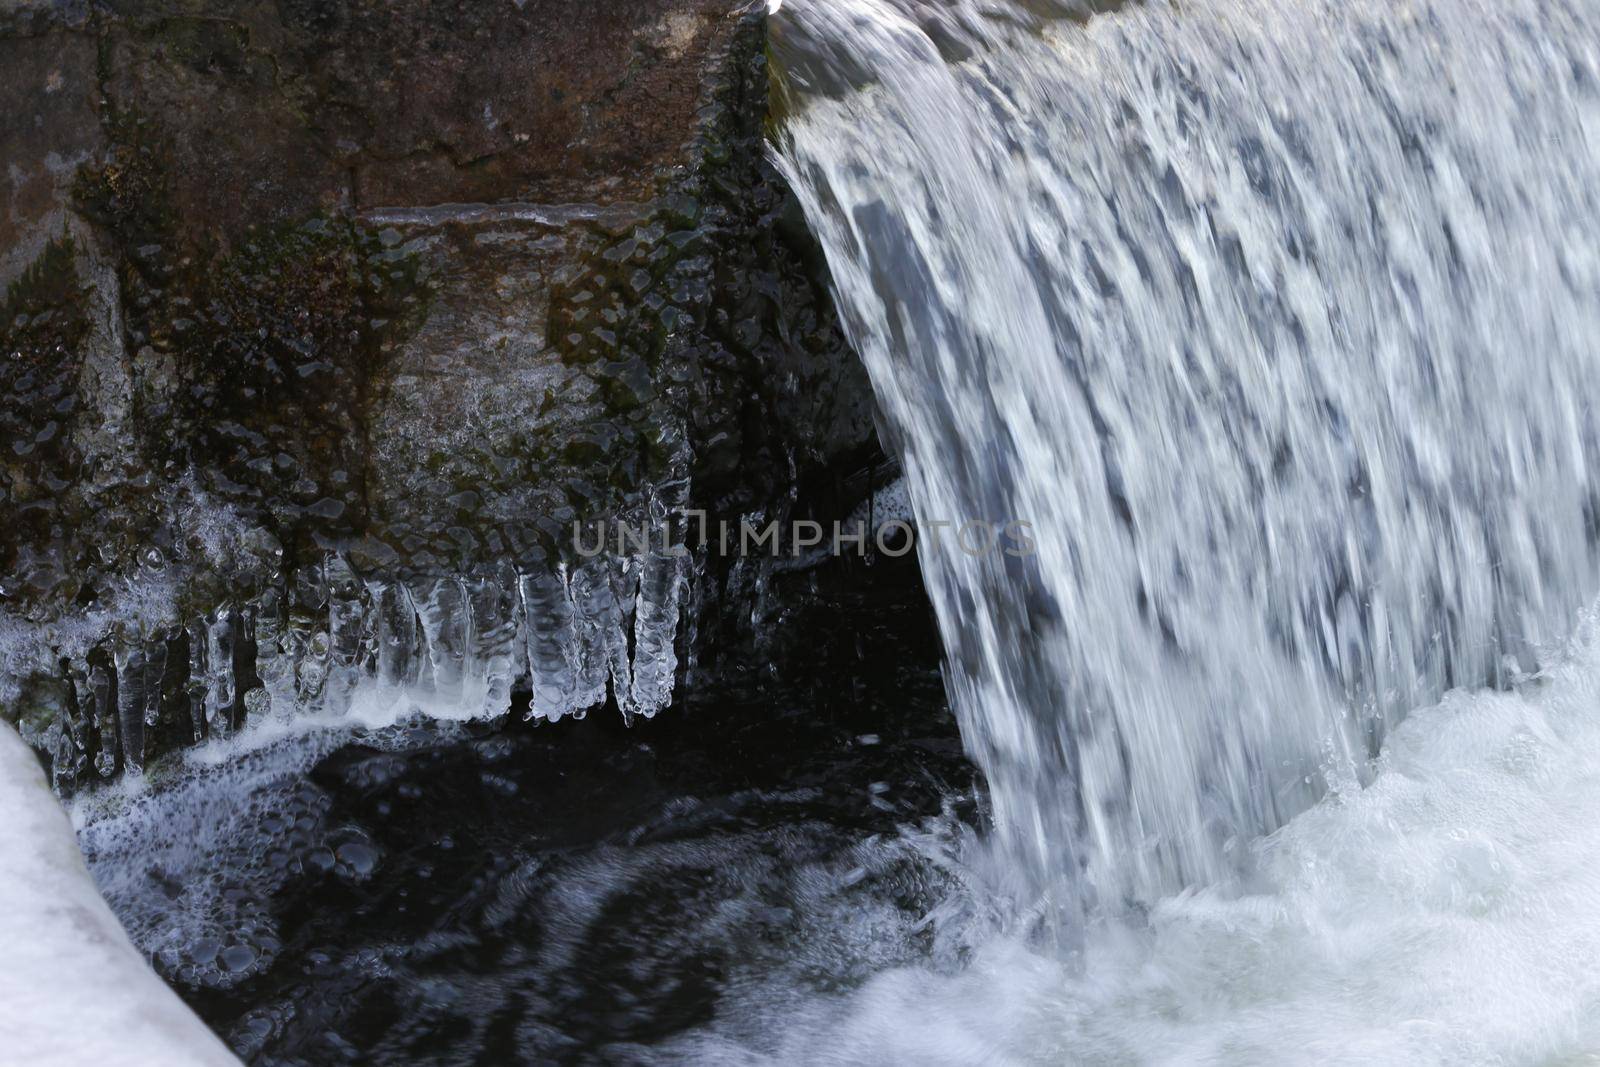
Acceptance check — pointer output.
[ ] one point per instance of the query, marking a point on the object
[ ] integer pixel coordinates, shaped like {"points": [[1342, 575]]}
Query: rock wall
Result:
{"points": [[324, 322]]}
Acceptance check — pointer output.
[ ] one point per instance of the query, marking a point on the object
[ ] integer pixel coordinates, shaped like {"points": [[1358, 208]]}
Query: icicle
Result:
{"points": [[167, 725], [496, 651], [103, 712], [694, 609], [310, 642], [347, 608], [662, 571], [66, 760], [221, 682], [69, 766], [309, 645], [602, 591], [398, 655], [130, 665], [139, 676], [274, 664], [552, 644], [199, 672], [446, 631]]}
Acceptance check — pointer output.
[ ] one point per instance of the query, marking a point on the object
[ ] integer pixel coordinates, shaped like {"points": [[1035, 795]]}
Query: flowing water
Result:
{"points": [[1277, 319], [1277, 322], [1447, 914]]}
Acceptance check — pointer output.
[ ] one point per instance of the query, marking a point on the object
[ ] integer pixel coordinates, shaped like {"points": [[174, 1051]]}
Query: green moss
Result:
{"points": [[206, 45], [49, 282], [280, 347], [129, 193], [40, 704], [43, 310], [253, 357]]}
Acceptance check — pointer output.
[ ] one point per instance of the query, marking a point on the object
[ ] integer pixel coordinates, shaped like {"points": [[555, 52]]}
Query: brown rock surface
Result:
{"points": [[416, 286]]}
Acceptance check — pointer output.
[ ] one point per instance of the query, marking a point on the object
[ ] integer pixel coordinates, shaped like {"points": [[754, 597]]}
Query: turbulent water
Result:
{"points": [[1277, 320], [1448, 914]]}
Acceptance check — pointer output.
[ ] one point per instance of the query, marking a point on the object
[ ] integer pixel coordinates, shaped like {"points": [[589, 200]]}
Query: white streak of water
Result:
{"points": [[1277, 320]]}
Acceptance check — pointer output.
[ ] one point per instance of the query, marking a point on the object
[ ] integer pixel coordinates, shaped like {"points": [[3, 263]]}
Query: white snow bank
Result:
{"points": [[73, 989]]}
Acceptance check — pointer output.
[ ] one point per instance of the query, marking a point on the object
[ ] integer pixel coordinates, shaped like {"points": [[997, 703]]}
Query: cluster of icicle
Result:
{"points": [[326, 641]]}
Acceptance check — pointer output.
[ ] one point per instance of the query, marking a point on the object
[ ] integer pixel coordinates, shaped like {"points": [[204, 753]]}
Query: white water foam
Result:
{"points": [[189, 858], [1448, 913], [191, 863]]}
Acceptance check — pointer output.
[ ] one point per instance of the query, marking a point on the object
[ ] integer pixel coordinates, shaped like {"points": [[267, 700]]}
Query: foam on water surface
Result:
{"points": [[192, 863], [1448, 913]]}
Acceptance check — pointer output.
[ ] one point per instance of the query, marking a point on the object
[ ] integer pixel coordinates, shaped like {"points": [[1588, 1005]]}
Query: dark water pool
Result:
{"points": [[579, 892]]}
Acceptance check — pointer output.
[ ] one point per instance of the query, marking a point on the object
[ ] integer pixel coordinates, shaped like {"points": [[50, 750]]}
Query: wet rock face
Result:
{"points": [[306, 303], [45, 324]]}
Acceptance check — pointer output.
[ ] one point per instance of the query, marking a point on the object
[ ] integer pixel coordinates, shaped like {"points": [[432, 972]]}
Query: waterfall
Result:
{"points": [[1276, 320]]}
